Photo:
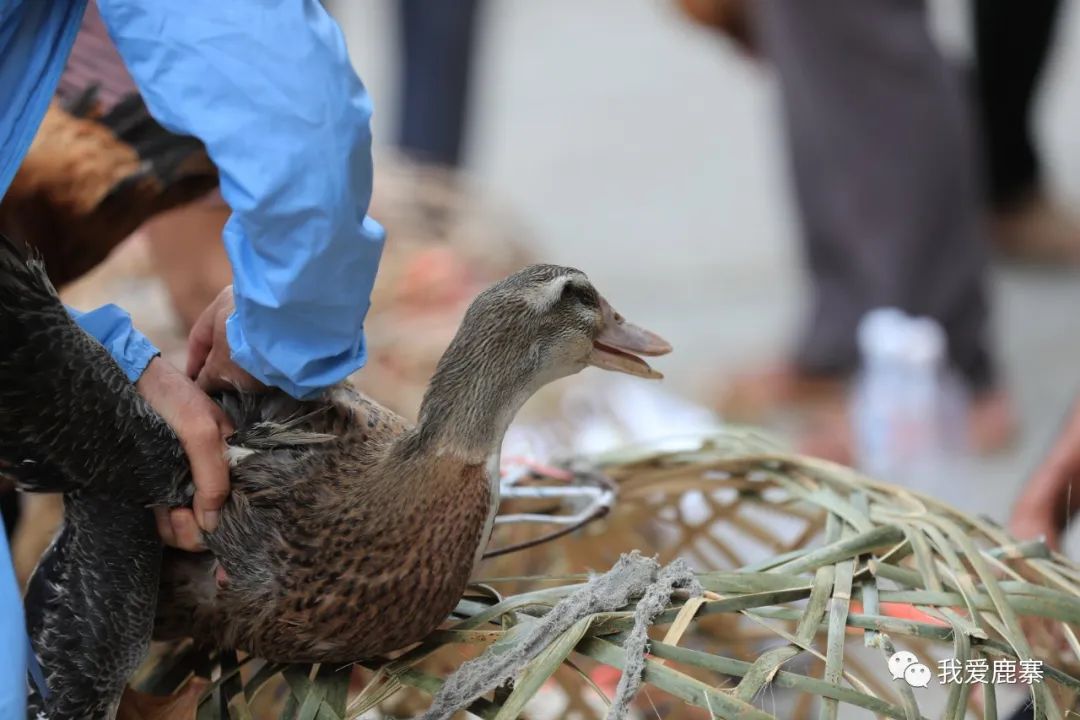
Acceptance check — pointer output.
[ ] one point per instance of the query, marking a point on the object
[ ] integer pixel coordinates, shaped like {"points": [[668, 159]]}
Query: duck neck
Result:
{"points": [[471, 401], [470, 421]]}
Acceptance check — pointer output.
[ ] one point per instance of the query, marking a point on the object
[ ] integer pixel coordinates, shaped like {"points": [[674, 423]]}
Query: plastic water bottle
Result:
{"points": [[908, 410]]}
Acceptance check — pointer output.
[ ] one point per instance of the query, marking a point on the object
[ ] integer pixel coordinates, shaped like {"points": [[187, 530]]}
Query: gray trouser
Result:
{"points": [[885, 175]]}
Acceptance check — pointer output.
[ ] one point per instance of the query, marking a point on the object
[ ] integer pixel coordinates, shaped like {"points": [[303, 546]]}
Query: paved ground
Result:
{"points": [[649, 154]]}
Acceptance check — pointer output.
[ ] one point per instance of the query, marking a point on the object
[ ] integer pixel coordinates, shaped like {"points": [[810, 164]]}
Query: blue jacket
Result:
{"points": [[268, 87], [12, 639]]}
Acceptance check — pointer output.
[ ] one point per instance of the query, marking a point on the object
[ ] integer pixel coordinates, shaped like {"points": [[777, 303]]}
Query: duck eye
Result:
{"points": [[585, 295]]}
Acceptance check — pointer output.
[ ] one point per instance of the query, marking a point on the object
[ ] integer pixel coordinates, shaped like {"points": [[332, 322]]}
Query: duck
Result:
{"points": [[349, 531]]}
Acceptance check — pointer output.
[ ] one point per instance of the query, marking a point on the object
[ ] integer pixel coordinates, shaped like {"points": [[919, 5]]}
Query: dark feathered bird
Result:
{"points": [[67, 416], [341, 515], [89, 180]]}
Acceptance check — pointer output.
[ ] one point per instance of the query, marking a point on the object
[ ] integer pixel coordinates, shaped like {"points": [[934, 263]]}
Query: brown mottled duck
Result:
{"points": [[349, 532]]}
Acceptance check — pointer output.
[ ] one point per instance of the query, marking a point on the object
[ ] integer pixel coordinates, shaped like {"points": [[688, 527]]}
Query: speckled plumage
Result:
{"points": [[320, 542], [348, 533]]}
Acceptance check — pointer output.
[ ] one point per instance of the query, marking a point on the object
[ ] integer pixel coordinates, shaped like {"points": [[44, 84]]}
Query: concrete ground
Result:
{"points": [[649, 153]]}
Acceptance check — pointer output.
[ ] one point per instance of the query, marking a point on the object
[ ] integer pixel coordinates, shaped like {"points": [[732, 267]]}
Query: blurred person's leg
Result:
{"points": [[1011, 44], [884, 171], [437, 52], [885, 179]]}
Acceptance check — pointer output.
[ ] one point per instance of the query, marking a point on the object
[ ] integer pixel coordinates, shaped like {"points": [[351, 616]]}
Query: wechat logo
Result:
{"points": [[903, 665]]}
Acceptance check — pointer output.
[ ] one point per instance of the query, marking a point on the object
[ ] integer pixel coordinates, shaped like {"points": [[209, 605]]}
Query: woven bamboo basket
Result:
{"points": [[814, 577]]}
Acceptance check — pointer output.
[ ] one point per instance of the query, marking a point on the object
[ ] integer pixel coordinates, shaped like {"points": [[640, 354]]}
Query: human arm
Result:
{"points": [[267, 86]]}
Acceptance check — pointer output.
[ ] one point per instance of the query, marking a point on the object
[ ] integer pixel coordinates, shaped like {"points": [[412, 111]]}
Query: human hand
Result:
{"points": [[202, 428], [1032, 519], [209, 361], [1047, 502]]}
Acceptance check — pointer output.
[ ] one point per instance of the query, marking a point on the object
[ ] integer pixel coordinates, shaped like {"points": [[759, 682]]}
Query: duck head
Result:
{"points": [[538, 325]]}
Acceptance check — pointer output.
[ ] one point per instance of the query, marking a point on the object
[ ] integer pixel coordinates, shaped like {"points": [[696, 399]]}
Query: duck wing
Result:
{"points": [[71, 422], [67, 411], [272, 421]]}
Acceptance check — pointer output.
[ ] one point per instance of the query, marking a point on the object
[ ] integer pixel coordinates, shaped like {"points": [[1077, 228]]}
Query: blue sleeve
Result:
{"points": [[112, 327], [268, 87], [12, 638]]}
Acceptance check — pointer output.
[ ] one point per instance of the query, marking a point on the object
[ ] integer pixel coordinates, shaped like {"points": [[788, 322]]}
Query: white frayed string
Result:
{"points": [[633, 576]]}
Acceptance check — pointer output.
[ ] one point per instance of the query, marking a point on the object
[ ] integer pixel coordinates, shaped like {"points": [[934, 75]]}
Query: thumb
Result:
{"points": [[200, 343], [205, 447]]}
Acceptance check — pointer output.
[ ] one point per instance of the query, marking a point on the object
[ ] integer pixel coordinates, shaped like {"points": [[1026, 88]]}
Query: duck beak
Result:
{"points": [[619, 343]]}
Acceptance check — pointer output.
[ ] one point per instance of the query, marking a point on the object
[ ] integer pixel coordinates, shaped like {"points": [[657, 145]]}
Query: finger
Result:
{"points": [[205, 448], [186, 530], [224, 423], [220, 373], [211, 493], [200, 341], [164, 526], [210, 381]]}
